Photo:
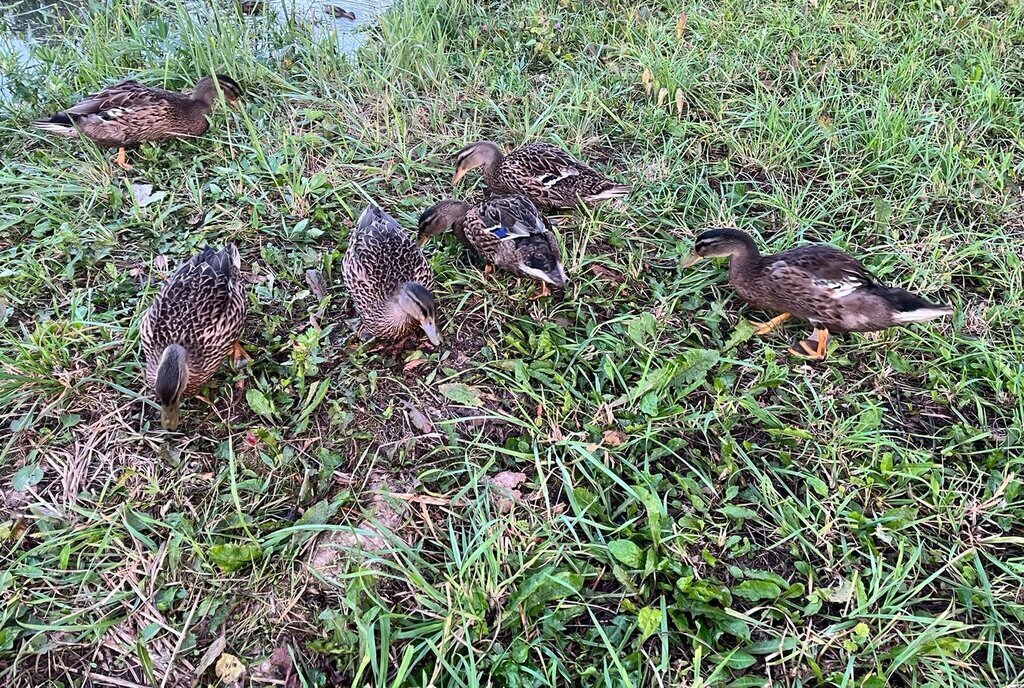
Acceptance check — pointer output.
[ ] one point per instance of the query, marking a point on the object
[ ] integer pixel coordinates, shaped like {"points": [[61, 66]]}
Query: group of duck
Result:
{"points": [[196, 319]]}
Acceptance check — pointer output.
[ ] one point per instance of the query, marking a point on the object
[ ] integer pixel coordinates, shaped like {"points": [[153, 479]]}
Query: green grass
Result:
{"points": [[699, 508]]}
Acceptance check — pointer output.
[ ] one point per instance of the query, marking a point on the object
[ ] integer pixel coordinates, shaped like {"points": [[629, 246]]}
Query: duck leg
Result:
{"points": [[541, 292], [239, 357], [765, 328], [121, 161], [815, 348]]}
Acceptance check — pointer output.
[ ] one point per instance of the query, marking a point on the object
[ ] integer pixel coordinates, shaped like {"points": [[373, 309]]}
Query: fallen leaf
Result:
{"points": [[602, 272], [841, 593], [647, 79], [413, 364], [680, 101], [251, 439], [421, 499], [510, 480], [229, 669], [612, 438], [281, 660], [681, 25], [209, 657], [462, 394], [507, 495], [419, 419], [316, 283], [662, 96], [144, 195]]}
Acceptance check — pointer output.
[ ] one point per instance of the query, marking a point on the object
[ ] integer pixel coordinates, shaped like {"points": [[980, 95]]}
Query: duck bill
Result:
{"points": [[170, 417], [692, 259], [430, 329], [459, 174], [422, 240]]}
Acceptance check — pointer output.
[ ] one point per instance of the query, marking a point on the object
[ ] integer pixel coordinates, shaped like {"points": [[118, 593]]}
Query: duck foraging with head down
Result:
{"points": [[545, 174], [193, 325], [129, 113], [507, 231], [389, 278], [817, 283]]}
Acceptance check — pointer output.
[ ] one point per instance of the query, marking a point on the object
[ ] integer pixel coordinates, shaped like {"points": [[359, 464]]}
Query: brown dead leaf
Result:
{"points": [[419, 419], [209, 657], [281, 660], [680, 101], [422, 499], [316, 283], [612, 438], [230, 670], [681, 25], [662, 96], [413, 364], [647, 79], [602, 272], [506, 496], [509, 480]]}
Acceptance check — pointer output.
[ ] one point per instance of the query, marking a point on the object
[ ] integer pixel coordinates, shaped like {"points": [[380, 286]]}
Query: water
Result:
{"points": [[348, 33], [21, 27], [26, 24]]}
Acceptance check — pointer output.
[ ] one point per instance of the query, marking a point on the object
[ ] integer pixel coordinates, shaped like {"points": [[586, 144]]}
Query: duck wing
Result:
{"points": [[828, 270]]}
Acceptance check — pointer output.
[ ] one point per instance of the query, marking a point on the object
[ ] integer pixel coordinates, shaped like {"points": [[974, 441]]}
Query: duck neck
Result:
{"points": [[745, 260], [171, 375], [491, 166]]}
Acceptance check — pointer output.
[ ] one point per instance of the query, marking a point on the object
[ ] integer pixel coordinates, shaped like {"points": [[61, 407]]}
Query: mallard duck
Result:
{"points": [[545, 174], [129, 113], [507, 231], [817, 283], [193, 325], [389, 278]]}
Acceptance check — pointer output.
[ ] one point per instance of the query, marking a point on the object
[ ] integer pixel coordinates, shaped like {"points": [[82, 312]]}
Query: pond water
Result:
{"points": [[26, 23]]}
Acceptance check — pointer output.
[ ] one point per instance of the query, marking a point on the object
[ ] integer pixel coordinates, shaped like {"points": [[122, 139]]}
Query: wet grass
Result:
{"points": [[695, 507]]}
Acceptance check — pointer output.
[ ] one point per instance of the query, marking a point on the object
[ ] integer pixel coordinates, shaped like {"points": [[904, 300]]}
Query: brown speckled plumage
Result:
{"points": [[130, 113], [507, 231], [817, 283], [544, 173], [200, 307], [380, 259]]}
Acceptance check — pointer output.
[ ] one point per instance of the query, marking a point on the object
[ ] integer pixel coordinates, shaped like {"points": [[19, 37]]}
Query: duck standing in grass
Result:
{"points": [[129, 113], [816, 283], [193, 325], [389, 278], [545, 174], [507, 231]]}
